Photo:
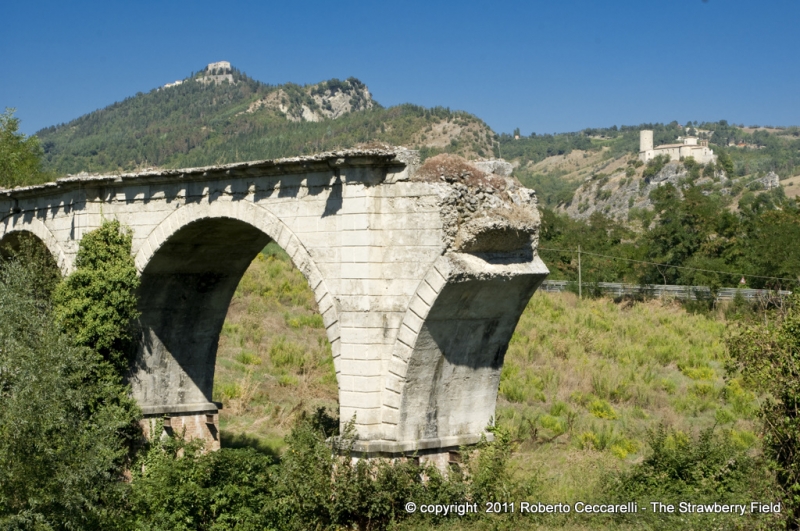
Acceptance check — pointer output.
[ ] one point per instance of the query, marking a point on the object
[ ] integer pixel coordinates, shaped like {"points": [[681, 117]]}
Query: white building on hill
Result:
{"points": [[690, 147], [217, 73]]}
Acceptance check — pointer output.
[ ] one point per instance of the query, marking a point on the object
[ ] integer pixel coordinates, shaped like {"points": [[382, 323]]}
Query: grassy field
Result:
{"points": [[274, 360], [583, 381]]}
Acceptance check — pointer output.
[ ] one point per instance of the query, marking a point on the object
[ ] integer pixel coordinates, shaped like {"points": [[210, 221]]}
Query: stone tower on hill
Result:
{"points": [[691, 147]]}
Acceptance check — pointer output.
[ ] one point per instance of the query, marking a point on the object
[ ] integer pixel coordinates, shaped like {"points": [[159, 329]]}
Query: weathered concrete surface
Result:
{"points": [[420, 277]]}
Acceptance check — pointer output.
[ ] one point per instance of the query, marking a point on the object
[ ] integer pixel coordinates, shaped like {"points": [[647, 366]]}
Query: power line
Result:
{"points": [[667, 265]]}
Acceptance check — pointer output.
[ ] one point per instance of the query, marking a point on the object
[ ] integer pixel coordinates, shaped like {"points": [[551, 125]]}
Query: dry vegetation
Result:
{"points": [[274, 359], [791, 186], [471, 137], [583, 380], [579, 165]]}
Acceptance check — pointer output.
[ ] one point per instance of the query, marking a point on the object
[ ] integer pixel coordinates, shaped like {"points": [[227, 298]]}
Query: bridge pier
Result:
{"points": [[420, 275], [191, 425]]}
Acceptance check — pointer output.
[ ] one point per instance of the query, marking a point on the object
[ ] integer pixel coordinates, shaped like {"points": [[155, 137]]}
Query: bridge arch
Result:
{"points": [[190, 265], [444, 374], [22, 223]]}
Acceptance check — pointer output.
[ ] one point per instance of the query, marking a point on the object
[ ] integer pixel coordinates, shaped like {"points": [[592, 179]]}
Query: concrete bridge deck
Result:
{"points": [[420, 278]]}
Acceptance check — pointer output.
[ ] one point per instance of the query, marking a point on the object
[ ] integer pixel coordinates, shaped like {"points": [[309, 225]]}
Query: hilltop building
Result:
{"points": [[213, 73], [217, 73], [691, 147]]}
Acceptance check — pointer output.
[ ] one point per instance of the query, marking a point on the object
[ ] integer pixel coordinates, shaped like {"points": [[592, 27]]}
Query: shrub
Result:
{"points": [[66, 422], [603, 195], [178, 487], [248, 358], [708, 468], [768, 358], [300, 321], [654, 166], [285, 354], [316, 485], [602, 409], [97, 303], [698, 373]]}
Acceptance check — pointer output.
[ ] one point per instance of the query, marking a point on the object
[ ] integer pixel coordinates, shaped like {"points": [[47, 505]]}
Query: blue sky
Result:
{"points": [[541, 66]]}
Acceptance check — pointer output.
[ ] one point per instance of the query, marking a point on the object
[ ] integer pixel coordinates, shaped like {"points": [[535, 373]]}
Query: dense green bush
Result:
{"points": [[176, 487], [97, 303], [66, 421], [316, 484], [706, 469], [655, 165], [767, 355]]}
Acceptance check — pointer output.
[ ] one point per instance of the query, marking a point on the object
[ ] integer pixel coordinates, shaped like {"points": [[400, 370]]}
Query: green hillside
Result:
{"points": [[214, 119], [556, 165], [200, 123]]}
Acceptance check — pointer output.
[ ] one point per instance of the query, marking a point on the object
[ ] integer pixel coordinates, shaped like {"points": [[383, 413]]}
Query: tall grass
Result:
{"points": [[274, 359], [587, 379], [583, 384]]}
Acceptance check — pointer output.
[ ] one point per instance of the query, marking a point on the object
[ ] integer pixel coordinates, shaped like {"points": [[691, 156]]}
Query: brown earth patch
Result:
{"points": [[452, 168], [791, 186]]}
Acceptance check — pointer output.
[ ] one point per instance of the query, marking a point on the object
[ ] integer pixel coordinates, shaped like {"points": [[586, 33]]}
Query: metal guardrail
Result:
{"points": [[618, 289]]}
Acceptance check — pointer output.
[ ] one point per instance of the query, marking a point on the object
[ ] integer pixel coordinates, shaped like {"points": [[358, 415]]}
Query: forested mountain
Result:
{"points": [[221, 115], [216, 117], [705, 224]]}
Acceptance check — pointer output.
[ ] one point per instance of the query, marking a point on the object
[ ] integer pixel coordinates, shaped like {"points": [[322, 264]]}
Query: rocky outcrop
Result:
{"points": [[314, 103], [615, 195], [770, 181], [498, 167]]}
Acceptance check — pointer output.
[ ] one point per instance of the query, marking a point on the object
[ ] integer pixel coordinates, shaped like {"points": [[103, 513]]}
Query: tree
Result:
{"points": [[768, 358], [770, 247], [97, 303], [687, 232], [20, 155], [66, 421], [725, 163]]}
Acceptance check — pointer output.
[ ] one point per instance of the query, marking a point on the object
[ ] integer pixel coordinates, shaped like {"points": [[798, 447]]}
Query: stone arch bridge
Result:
{"points": [[420, 278]]}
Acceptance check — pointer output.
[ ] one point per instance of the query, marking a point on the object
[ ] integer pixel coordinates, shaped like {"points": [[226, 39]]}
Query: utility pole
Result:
{"points": [[580, 282]]}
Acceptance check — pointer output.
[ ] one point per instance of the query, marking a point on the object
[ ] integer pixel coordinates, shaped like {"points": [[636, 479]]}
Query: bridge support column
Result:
{"points": [[442, 381]]}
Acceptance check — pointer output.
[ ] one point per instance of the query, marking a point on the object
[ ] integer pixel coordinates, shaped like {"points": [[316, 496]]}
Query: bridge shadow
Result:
{"points": [[334, 202], [184, 295], [185, 298], [454, 372]]}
